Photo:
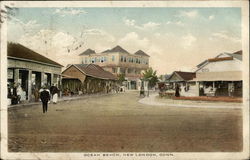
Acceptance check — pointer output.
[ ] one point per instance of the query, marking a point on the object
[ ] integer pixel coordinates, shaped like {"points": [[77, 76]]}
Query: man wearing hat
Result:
{"points": [[45, 97]]}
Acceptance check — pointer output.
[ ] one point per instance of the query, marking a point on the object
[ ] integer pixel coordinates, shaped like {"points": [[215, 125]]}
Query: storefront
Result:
{"points": [[31, 71]]}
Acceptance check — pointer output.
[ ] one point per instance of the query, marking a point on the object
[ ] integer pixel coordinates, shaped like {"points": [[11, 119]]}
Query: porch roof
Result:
{"points": [[219, 76]]}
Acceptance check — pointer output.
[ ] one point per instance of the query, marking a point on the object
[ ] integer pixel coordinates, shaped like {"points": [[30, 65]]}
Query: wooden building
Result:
{"points": [[87, 78], [31, 70], [221, 75]]}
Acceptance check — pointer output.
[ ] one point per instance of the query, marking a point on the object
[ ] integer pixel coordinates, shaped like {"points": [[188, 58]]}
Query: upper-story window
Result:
{"points": [[121, 58], [113, 58], [102, 59], [86, 60], [105, 59], [125, 59], [93, 60], [146, 61]]}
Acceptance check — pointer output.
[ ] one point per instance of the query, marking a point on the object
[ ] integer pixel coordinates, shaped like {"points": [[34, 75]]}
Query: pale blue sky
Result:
{"points": [[162, 32]]}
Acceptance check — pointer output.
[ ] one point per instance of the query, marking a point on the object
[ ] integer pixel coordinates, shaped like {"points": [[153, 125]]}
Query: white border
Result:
{"points": [[177, 155]]}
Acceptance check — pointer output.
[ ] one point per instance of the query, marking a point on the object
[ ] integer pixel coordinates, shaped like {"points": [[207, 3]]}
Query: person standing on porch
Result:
{"points": [[45, 97]]}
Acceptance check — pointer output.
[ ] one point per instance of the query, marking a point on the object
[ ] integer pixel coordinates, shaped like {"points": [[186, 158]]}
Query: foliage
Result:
{"points": [[121, 78], [150, 75]]}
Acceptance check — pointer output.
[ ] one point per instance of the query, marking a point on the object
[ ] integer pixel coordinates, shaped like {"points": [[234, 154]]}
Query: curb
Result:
{"points": [[60, 100]]}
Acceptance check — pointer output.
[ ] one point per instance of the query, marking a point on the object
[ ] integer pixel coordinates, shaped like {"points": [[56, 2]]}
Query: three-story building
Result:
{"points": [[119, 61]]}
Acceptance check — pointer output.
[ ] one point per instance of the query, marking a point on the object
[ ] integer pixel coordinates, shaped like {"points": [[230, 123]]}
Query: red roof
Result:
{"points": [[220, 59], [93, 70], [184, 75]]}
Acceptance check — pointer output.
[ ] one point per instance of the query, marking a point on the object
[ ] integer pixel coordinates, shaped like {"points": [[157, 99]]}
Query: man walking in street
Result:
{"points": [[45, 97]]}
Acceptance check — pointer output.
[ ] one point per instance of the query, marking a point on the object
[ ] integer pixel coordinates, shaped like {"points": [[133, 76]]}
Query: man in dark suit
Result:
{"points": [[45, 97]]}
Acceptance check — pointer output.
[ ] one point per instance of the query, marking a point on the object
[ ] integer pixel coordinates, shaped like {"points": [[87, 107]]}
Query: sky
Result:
{"points": [[177, 39]]}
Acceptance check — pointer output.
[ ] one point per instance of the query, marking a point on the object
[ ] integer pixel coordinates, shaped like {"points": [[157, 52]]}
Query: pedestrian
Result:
{"points": [[54, 93], [177, 91], [45, 97], [14, 99]]}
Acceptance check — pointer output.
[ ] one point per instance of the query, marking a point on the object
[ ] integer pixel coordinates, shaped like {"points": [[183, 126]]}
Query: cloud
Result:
{"points": [[69, 11], [211, 17], [129, 22], [225, 35], [151, 25], [145, 26], [188, 40], [52, 44], [189, 14], [178, 23], [98, 33], [133, 41]]}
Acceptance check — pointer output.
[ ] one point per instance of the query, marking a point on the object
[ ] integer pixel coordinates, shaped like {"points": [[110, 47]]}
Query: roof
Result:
{"points": [[184, 75], [238, 52], [94, 70], [16, 50], [141, 53], [236, 55], [87, 52], [116, 49], [220, 59]]}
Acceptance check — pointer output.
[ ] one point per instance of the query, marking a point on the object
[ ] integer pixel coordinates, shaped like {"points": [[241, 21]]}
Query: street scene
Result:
{"points": [[141, 80], [119, 123]]}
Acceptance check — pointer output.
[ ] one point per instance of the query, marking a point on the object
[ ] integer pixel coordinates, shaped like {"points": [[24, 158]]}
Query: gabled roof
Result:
{"points": [[236, 55], [116, 49], [185, 76], [87, 52], [93, 70], [141, 53], [18, 51]]}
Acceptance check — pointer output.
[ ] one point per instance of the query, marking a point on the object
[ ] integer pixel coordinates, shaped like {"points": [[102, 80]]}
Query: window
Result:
{"points": [[86, 60], [105, 59], [125, 59], [121, 58], [96, 59], [93, 60], [113, 58], [102, 59]]}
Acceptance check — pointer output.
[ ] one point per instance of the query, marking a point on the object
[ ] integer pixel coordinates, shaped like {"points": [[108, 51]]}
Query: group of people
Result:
{"points": [[47, 94], [16, 94]]}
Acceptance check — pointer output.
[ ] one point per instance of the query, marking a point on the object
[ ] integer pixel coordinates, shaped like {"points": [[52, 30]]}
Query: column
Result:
{"points": [[42, 79], [29, 84], [16, 75], [118, 70], [197, 86], [52, 79]]}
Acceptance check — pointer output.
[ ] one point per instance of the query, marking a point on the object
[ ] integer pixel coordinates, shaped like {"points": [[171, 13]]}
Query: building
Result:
{"points": [[187, 88], [119, 61], [87, 78], [31, 70], [221, 75]]}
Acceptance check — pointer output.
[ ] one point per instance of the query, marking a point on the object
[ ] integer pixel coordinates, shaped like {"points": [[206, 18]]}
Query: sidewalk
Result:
{"points": [[154, 100], [64, 98]]}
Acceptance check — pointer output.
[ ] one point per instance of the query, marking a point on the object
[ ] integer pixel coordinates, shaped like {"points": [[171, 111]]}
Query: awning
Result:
{"points": [[219, 76]]}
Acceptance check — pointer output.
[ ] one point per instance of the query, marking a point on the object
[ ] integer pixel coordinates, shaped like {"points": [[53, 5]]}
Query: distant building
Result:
{"points": [[119, 61], [222, 74], [87, 78], [31, 70]]}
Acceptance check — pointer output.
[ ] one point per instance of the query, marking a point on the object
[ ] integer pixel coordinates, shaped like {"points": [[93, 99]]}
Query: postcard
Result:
{"points": [[124, 80]]}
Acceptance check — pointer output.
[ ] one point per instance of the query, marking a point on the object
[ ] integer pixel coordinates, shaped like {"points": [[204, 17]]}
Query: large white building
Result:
{"points": [[222, 74], [119, 61]]}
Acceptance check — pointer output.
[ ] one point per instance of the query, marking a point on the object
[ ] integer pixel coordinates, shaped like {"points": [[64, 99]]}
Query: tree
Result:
{"points": [[150, 75], [121, 78]]}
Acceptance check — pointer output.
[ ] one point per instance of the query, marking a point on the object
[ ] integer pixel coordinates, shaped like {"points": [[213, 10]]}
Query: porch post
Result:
{"points": [[29, 84], [42, 79], [16, 75]]}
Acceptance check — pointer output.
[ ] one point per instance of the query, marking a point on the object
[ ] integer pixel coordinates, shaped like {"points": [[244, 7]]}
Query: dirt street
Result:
{"points": [[118, 123]]}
